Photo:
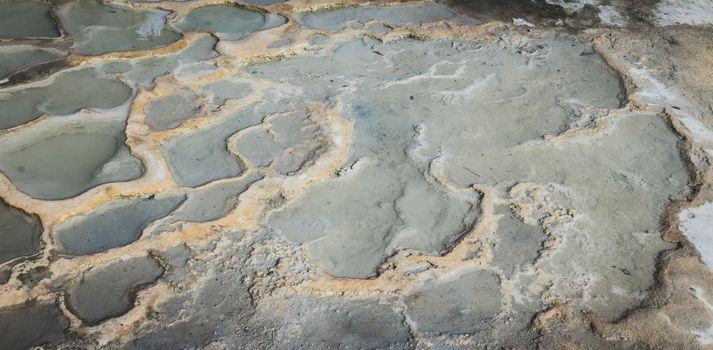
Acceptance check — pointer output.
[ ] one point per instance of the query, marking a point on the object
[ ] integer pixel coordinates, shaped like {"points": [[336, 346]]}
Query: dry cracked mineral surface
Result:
{"points": [[343, 174]]}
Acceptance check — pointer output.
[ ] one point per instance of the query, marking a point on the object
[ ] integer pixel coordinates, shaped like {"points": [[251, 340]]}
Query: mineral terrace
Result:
{"points": [[343, 174]]}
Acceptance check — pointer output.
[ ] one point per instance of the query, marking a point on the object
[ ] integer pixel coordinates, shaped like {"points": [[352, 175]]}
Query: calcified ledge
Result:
{"points": [[321, 174]]}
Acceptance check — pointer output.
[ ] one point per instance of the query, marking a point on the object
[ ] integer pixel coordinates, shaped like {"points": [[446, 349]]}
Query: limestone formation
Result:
{"points": [[344, 174]]}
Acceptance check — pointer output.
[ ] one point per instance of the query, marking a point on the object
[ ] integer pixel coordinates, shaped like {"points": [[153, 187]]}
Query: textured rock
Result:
{"points": [[336, 174], [327, 323], [334, 20], [461, 304], [167, 112]]}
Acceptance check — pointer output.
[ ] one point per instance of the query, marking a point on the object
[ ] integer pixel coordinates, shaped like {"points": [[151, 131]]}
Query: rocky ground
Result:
{"points": [[362, 175]]}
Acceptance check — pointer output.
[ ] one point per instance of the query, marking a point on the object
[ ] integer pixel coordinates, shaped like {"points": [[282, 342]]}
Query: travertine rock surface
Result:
{"points": [[327, 174]]}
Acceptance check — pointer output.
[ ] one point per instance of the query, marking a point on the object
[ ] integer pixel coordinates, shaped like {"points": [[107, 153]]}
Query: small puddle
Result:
{"points": [[18, 57], [26, 19], [228, 22], [59, 162], [62, 94], [114, 224], [98, 28], [20, 233], [110, 291], [32, 324]]}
